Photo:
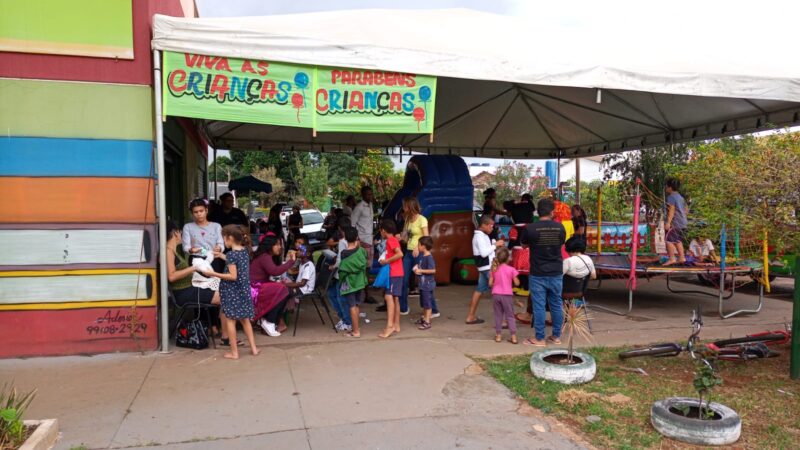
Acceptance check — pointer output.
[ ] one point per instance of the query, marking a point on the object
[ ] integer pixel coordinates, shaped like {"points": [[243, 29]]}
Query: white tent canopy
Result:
{"points": [[509, 89]]}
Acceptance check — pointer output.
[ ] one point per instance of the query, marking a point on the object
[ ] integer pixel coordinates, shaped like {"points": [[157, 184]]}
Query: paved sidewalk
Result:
{"points": [[321, 390]]}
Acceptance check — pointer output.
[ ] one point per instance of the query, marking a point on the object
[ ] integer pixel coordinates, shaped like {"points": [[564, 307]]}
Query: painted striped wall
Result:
{"points": [[78, 216], [84, 246]]}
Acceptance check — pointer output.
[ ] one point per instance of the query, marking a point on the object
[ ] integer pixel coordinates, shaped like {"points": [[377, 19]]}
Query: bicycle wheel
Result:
{"points": [[668, 349], [772, 338]]}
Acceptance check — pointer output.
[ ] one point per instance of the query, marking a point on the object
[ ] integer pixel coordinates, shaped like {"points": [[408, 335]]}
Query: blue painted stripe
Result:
{"points": [[55, 157]]}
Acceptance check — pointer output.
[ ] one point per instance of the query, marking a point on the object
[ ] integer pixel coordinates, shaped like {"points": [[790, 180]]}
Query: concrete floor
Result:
{"points": [[320, 390]]}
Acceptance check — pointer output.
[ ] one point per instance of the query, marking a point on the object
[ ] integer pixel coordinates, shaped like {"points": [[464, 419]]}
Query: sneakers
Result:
{"points": [[269, 328], [340, 326], [435, 315], [404, 313]]}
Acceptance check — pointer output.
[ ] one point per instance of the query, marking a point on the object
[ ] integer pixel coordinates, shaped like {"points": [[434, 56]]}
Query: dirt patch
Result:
{"points": [[576, 397]]}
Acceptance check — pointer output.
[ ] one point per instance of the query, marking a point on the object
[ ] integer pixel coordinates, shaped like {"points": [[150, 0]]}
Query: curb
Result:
{"points": [[44, 437]]}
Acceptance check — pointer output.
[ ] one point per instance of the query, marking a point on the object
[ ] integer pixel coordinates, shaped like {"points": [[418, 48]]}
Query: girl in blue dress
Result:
{"points": [[234, 288]]}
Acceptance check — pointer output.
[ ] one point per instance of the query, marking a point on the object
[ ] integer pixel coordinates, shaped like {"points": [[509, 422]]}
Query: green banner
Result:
{"points": [[346, 100], [374, 101], [237, 90]]}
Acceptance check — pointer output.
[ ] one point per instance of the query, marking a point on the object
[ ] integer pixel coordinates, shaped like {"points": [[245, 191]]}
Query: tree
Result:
{"points": [[246, 162], [375, 170], [342, 167], [617, 205], [750, 184], [312, 180], [512, 179], [652, 166], [269, 175], [222, 169]]}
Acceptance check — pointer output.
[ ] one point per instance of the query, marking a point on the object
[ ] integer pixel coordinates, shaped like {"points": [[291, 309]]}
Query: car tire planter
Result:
{"points": [[724, 429], [582, 372]]}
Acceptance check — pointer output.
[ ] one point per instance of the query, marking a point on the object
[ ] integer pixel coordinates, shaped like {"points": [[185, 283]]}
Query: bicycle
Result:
{"points": [[736, 349]]}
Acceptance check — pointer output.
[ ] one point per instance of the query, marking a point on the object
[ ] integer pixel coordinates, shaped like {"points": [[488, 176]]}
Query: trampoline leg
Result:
{"points": [[614, 311], [741, 311], [689, 291]]}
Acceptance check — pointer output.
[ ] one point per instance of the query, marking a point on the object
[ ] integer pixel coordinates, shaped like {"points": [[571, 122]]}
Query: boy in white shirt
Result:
{"points": [[702, 249], [306, 275], [483, 248]]}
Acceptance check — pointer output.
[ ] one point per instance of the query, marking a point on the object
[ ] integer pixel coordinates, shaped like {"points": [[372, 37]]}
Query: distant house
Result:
{"points": [[222, 187], [591, 169], [482, 180]]}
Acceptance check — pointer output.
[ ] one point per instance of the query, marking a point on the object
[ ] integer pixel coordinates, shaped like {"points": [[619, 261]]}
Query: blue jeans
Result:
{"points": [[408, 264], [339, 303], [546, 290]]}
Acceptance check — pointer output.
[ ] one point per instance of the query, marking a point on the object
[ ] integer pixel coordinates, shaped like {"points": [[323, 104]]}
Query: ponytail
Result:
{"points": [[239, 236]]}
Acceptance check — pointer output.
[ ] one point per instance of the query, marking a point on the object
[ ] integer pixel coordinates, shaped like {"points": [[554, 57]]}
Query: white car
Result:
{"points": [[312, 227]]}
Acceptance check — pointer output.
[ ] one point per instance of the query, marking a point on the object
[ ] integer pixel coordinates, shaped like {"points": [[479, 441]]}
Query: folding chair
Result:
{"points": [[321, 283], [199, 309], [575, 289]]}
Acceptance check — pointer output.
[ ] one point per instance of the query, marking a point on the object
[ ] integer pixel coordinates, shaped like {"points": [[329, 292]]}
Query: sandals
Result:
{"points": [[534, 342], [424, 326], [554, 340], [476, 321]]}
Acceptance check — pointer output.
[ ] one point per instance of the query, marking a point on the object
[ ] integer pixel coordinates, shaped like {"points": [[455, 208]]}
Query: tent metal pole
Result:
{"points": [[578, 180], [161, 205], [215, 174]]}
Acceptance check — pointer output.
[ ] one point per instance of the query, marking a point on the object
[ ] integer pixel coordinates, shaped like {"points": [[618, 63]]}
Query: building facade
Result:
{"points": [[77, 170]]}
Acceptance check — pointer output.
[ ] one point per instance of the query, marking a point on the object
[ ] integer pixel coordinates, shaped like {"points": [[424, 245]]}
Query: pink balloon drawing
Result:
{"points": [[297, 102], [419, 115]]}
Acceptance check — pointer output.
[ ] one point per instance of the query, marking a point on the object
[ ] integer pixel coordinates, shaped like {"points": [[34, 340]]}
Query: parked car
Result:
{"points": [[286, 210], [312, 227]]}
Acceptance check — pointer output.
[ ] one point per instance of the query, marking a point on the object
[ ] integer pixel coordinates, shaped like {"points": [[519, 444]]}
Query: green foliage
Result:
{"points": [[223, 168], [617, 206], [12, 409], [512, 179], [312, 180], [750, 183], [342, 167], [375, 170], [652, 166], [705, 379]]}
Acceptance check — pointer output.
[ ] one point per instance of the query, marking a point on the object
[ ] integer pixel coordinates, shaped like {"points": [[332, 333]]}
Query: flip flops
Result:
{"points": [[476, 321], [534, 342]]}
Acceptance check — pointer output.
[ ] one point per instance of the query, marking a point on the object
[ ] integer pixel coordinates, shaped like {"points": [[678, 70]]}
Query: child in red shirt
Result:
{"points": [[394, 257]]}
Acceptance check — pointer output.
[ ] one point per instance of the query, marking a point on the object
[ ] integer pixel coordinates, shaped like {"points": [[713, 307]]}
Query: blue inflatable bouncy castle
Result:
{"points": [[443, 187], [440, 183]]}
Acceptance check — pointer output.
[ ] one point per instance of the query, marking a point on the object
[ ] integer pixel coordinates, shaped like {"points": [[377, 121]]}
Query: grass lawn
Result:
{"points": [[770, 418]]}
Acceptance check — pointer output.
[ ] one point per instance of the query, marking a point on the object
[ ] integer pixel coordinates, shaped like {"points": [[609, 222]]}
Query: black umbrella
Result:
{"points": [[249, 183]]}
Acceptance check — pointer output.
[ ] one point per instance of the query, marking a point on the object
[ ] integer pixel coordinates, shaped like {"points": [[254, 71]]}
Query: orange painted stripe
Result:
{"points": [[74, 200]]}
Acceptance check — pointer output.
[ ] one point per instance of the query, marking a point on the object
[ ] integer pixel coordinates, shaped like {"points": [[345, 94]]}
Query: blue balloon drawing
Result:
{"points": [[425, 96], [425, 93], [301, 81]]}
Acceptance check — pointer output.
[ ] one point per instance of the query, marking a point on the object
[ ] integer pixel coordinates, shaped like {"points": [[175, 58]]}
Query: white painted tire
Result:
{"points": [[724, 431], [583, 372]]}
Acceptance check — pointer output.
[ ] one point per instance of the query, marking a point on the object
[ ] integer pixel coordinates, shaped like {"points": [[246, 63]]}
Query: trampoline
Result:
{"points": [[618, 266]]}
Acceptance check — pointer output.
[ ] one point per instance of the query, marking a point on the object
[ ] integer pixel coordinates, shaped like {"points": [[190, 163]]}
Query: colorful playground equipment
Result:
{"points": [[633, 264], [443, 187]]}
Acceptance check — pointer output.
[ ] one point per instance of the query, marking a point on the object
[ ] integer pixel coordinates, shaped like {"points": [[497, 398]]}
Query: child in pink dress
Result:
{"points": [[502, 279]]}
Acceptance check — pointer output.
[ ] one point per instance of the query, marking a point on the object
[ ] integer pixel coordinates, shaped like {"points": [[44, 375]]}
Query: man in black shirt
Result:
{"points": [[545, 238], [228, 215]]}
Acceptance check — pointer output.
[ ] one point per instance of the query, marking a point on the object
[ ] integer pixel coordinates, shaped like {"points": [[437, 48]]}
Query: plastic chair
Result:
{"points": [[575, 289], [322, 282], [199, 309]]}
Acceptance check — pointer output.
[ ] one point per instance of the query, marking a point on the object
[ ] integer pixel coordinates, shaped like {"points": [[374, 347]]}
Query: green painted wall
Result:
{"points": [[77, 110]]}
